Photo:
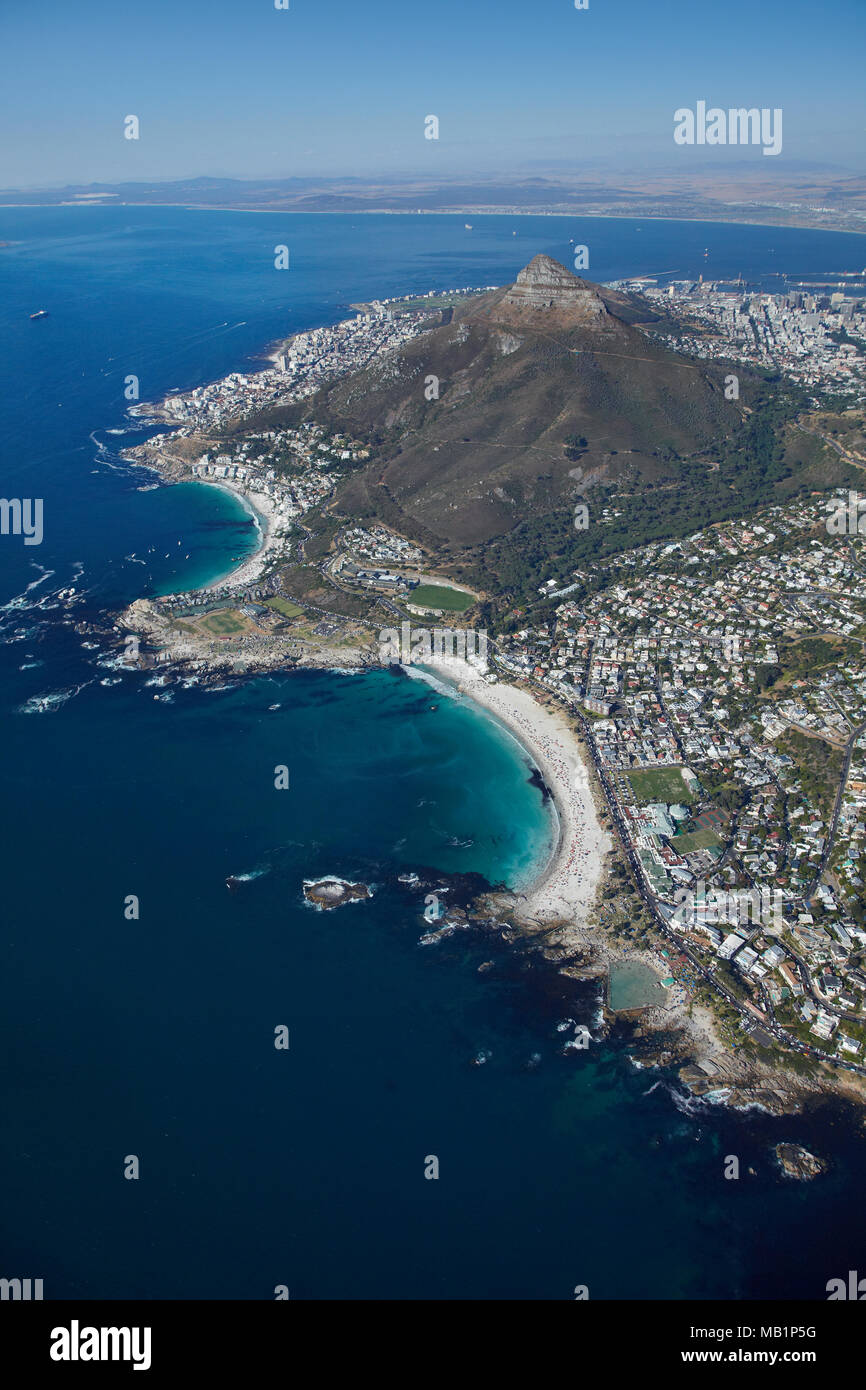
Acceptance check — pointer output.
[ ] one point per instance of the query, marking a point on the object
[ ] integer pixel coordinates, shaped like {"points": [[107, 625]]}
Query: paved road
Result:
{"points": [[769, 1023], [816, 434], [837, 807]]}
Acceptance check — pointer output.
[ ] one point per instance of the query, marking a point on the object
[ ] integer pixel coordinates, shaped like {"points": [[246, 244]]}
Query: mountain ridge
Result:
{"points": [[483, 415]]}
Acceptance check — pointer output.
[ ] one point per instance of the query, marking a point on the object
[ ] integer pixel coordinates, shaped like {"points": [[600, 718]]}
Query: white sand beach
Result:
{"points": [[263, 508], [566, 889]]}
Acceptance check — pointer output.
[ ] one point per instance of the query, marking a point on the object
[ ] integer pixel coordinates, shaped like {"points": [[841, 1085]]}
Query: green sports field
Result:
{"points": [[660, 784], [434, 596], [282, 605], [698, 839], [222, 624]]}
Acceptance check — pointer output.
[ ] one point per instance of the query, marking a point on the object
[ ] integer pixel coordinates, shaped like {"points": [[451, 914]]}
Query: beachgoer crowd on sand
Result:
{"points": [[568, 887]]}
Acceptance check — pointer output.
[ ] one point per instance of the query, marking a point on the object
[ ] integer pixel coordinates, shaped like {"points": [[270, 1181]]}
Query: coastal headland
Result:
{"points": [[561, 908], [329, 576]]}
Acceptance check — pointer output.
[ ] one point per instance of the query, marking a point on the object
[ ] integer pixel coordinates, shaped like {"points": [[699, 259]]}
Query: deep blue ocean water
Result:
{"points": [[155, 1037]]}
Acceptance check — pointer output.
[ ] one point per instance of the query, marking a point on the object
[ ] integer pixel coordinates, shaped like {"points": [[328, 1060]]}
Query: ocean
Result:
{"points": [[154, 1036]]}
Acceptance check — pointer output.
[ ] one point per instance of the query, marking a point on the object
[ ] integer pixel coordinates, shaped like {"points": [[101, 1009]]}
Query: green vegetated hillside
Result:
{"points": [[819, 766], [751, 467], [545, 391], [549, 396]]}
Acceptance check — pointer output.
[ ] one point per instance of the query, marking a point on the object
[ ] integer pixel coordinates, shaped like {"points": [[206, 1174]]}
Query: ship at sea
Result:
{"points": [[40, 314], [198, 814]]}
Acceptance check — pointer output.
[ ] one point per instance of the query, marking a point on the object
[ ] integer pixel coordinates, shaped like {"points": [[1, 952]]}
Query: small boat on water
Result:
{"points": [[40, 314]]}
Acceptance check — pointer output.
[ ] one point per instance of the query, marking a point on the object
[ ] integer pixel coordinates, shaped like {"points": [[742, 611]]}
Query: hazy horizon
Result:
{"points": [[250, 92]]}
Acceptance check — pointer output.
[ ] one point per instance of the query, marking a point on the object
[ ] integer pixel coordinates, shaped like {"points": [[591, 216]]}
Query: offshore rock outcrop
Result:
{"points": [[797, 1162], [330, 891]]}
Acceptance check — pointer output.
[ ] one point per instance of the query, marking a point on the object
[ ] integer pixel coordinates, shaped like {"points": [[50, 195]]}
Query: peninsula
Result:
{"points": [[673, 622]]}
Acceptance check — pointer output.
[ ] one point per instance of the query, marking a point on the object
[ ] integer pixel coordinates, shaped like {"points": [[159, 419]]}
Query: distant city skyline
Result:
{"points": [[239, 89]]}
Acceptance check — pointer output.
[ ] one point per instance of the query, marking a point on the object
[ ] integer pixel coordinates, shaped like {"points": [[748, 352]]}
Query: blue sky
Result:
{"points": [[337, 87]]}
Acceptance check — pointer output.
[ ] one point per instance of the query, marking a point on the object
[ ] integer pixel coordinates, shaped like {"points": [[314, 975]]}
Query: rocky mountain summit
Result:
{"points": [[545, 284], [477, 423]]}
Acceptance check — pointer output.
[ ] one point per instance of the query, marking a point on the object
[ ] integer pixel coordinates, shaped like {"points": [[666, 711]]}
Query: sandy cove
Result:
{"points": [[264, 510], [566, 890], [269, 522]]}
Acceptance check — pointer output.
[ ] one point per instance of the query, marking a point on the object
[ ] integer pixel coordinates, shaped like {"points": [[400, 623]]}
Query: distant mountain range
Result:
{"points": [[791, 194]]}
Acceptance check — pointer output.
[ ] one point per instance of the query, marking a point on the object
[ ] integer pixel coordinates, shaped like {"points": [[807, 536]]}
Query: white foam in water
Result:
{"points": [[46, 574], [687, 1105], [47, 704], [23, 603], [415, 673], [432, 938]]}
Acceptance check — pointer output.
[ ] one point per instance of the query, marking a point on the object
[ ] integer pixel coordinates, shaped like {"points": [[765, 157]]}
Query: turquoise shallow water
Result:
{"points": [[155, 1036], [196, 533], [634, 985]]}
